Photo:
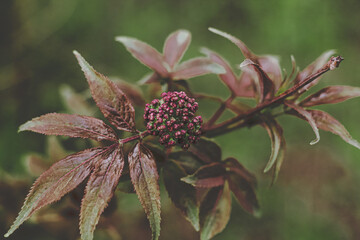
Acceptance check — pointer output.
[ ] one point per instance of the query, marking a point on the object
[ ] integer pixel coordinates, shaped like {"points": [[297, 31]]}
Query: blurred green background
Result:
{"points": [[317, 194]]}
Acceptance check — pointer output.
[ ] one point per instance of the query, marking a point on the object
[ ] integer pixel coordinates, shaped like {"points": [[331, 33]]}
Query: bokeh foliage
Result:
{"points": [[316, 194]]}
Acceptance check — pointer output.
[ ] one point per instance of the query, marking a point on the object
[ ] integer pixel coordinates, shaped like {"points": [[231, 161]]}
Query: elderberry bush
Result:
{"points": [[175, 142]]}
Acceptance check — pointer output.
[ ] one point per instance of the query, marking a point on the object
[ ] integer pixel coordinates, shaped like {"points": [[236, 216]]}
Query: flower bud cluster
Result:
{"points": [[173, 119]]}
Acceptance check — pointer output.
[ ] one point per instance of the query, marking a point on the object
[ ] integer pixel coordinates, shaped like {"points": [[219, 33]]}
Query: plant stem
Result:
{"points": [[135, 137], [222, 128], [220, 111]]}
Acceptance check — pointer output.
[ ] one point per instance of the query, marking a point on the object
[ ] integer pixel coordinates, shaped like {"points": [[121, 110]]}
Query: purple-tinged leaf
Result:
{"points": [[196, 67], [244, 49], [242, 184], [215, 211], [144, 177], [175, 46], [207, 150], [312, 68], [328, 123], [308, 117], [109, 98], [246, 87], [70, 125], [146, 54], [332, 94], [271, 66], [229, 78], [59, 179], [262, 82], [99, 190], [276, 137], [181, 194], [211, 175], [74, 102], [132, 92], [233, 166]]}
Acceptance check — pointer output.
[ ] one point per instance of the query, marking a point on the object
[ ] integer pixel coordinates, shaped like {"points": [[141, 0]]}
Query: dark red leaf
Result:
{"points": [[233, 166], [196, 67], [99, 190], [215, 211], [146, 54], [175, 46], [70, 125], [328, 123], [242, 184], [109, 98], [211, 175], [188, 160], [271, 66], [332, 94], [263, 84], [59, 179], [181, 194], [308, 117], [207, 150], [144, 177]]}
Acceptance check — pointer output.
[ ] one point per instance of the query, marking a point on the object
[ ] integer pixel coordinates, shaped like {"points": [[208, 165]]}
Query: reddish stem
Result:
{"points": [[333, 63], [135, 137]]}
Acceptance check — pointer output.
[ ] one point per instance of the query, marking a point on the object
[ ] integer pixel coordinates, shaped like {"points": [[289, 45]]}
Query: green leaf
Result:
{"points": [[144, 177], [181, 194], [215, 211], [109, 98], [99, 190], [59, 179]]}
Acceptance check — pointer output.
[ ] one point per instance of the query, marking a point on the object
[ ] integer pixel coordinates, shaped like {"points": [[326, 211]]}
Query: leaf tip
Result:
{"points": [[315, 141]]}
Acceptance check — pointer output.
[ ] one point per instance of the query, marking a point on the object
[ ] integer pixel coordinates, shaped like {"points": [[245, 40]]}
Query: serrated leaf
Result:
{"points": [[328, 123], [196, 67], [175, 46], [70, 125], [211, 175], [144, 177], [263, 84], [242, 184], [59, 179], [228, 78], [207, 150], [74, 102], [109, 98], [277, 141], [332, 94], [215, 212], [308, 117], [99, 190], [146, 54], [181, 194]]}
